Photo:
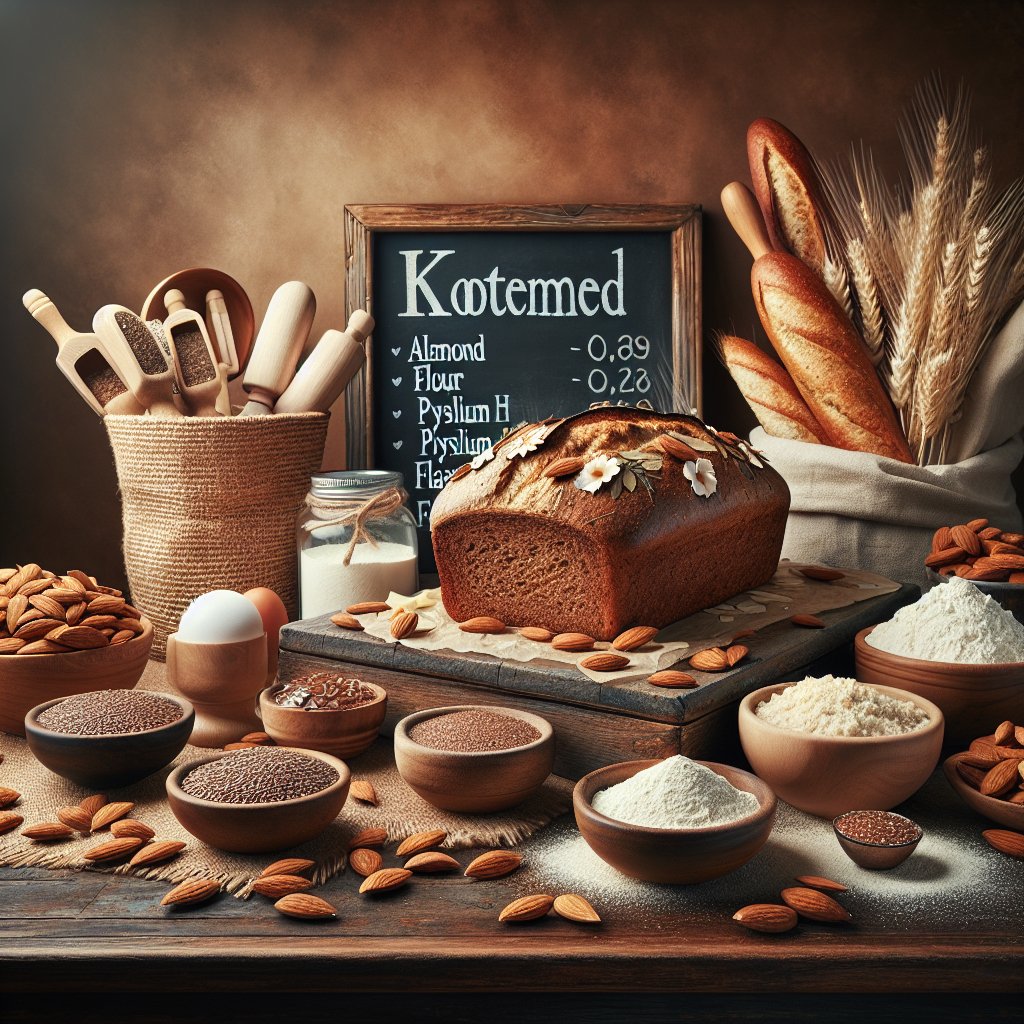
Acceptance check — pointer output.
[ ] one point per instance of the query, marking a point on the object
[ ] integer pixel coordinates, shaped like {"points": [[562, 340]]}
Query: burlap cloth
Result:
{"points": [[400, 811]]}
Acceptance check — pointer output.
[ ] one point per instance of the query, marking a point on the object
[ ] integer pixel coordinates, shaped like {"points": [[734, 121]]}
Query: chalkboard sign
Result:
{"points": [[489, 316]]}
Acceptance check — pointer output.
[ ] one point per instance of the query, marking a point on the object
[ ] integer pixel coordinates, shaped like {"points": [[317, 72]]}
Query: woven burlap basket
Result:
{"points": [[211, 503]]}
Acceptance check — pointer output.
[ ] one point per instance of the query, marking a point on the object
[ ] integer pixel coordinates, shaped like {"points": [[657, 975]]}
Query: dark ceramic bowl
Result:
{"points": [[673, 856], [117, 759], [258, 828], [876, 856]]}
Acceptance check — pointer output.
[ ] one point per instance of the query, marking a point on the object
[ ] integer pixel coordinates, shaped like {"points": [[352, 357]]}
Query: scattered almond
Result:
{"points": [[131, 828], [714, 659], [276, 886], [368, 608], [346, 621], [766, 917], [567, 466], [572, 642], [385, 880], [288, 866], [239, 745], [262, 739], [431, 863], [818, 882], [109, 813], [8, 797], [575, 908], [362, 790], [604, 661], [305, 907], [9, 821], [156, 853], [736, 653], [91, 804], [421, 841], [113, 849], [527, 908], [821, 573], [368, 837], [808, 621], [188, 894], [47, 831], [404, 624], [672, 679], [365, 862], [815, 905], [537, 634], [76, 818], [482, 624], [633, 638], [1005, 841], [494, 864]]}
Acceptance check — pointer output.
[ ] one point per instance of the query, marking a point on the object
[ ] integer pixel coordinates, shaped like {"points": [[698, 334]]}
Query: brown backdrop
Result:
{"points": [[143, 137]]}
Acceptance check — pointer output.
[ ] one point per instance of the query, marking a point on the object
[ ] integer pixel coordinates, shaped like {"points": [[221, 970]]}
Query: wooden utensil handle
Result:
{"points": [[174, 300], [46, 313], [279, 344], [325, 373], [745, 216]]}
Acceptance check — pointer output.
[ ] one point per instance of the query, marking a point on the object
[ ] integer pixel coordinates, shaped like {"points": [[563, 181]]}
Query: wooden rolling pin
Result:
{"points": [[328, 368], [197, 368], [278, 346], [218, 324], [816, 342], [84, 360]]}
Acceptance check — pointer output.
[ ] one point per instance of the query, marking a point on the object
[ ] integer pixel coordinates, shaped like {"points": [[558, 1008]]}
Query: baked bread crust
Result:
{"points": [[532, 550]]}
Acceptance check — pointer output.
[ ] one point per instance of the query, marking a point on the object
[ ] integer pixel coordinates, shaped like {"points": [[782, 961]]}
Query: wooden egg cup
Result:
{"points": [[223, 682]]}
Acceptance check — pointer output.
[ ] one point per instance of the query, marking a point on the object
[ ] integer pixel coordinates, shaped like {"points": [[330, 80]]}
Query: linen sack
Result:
{"points": [[210, 503]]}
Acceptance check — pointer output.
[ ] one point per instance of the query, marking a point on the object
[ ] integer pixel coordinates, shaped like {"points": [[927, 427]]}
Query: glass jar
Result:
{"points": [[334, 572]]}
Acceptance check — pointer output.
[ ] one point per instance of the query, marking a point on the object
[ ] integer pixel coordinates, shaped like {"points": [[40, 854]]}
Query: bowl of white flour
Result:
{"points": [[956, 647]]}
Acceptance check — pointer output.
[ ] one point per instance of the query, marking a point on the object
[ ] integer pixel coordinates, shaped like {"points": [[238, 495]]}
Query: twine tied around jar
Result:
{"points": [[380, 506]]}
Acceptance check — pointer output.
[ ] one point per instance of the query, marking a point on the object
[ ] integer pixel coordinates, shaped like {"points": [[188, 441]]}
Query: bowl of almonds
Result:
{"points": [[62, 635], [989, 776]]}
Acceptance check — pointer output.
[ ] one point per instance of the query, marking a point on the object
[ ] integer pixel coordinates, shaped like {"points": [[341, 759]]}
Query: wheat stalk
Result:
{"points": [[871, 318]]}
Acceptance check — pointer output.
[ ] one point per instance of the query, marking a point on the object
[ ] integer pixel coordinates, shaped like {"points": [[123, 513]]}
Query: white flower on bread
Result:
{"points": [[528, 441], [485, 456], [597, 472], [751, 455], [701, 475]]}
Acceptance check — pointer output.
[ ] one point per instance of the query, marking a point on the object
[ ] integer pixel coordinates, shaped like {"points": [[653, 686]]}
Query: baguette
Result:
{"points": [[825, 357], [787, 190], [769, 391]]}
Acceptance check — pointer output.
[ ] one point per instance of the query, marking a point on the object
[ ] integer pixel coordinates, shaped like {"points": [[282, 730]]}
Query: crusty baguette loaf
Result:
{"points": [[787, 190], [770, 392], [825, 357]]}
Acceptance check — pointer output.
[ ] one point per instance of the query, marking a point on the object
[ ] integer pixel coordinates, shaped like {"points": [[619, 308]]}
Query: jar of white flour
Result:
{"points": [[356, 540]]}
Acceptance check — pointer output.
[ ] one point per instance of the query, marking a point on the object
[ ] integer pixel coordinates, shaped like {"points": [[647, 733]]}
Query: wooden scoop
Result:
{"points": [[278, 346], [196, 366], [139, 356], [83, 359], [328, 368]]}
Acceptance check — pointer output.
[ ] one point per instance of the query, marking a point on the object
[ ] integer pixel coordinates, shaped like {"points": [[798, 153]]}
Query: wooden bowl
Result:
{"points": [[829, 775], [113, 760], [1000, 811], [974, 698], [343, 733], [477, 782], [257, 828], [194, 283], [667, 855], [27, 679], [877, 856]]}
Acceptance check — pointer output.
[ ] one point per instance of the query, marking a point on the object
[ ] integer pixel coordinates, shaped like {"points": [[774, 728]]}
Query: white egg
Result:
{"points": [[220, 617]]}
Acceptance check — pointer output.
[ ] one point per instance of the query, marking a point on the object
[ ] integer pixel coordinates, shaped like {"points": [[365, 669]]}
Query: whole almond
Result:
{"points": [[11, 645], [990, 533], [91, 804], [966, 538], [368, 608], [575, 908], [113, 849], [947, 556], [942, 539], [537, 634], [971, 774], [978, 760], [131, 625], [24, 575], [821, 573], [1016, 798], [977, 524], [368, 837], [672, 679], [305, 907], [603, 661], [819, 882], [735, 653], [714, 659], [104, 605], [86, 581], [572, 642], [494, 864], [1000, 779], [404, 624], [808, 621], [385, 880], [131, 828], [1017, 539], [1004, 733], [362, 790], [45, 647], [240, 745], [766, 917], [365, 862], [482, 624], [346, 621], [9, 821], [188, 894], [1005, 841], [567, 466], [421, 841], [76, 818], [47, 831], [156, 853], [82, 638], [815, 905], [36, 629], [288, 866], [100, 622], [431, 863], [527, 908], [633, 638], [262, 739], [74, 613], [51, 609], [62, 595], [985, 747], [109, 813], [276, 886], [8, 797], [16, 607]]}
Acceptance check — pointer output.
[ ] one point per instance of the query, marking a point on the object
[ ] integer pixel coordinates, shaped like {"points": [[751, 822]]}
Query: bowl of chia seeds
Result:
{"points": [[109, 738], [474, 758], [259, 799]]}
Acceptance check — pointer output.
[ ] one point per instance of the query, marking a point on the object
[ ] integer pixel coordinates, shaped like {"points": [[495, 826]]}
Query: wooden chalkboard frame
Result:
{"points": [[682, 222]]}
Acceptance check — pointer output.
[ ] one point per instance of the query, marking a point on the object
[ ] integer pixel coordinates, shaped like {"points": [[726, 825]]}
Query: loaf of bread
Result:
{"points": [[825, 357], [675, 518], [769, 391], [787, 190]]}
